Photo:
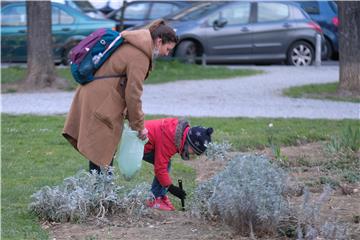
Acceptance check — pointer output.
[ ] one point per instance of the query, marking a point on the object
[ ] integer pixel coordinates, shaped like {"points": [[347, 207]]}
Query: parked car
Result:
{"points": [[141, 12], [69, 26], [325, 13], [85, 7], [241, 31]]}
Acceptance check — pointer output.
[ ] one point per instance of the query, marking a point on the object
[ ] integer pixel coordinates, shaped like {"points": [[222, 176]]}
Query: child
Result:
{"points": [[167, 137]]}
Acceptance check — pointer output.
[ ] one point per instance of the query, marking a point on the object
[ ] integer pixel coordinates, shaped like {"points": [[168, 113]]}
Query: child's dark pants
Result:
{"points": [[156, 188]]}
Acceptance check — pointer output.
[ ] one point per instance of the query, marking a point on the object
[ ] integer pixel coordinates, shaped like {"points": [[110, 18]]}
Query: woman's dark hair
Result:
{"points": [[159, 29]]}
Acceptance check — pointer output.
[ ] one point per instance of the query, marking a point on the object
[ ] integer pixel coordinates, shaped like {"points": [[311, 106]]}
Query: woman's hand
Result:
{"points": [[143, 134]]}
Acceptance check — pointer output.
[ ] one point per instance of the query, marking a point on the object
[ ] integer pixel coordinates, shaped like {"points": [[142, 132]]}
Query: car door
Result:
{"points": [[271, 29], [235, 37], [13, 33], [63, 28]]}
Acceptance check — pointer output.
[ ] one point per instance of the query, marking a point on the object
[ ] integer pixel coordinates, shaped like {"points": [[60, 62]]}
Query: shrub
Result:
{"points": [[247, 195], [87, 194], [310, 223], [218, 151], [250, 195]]}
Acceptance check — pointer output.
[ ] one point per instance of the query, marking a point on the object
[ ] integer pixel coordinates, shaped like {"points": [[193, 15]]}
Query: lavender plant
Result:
{"points": [[312, 226], [218, 151], [247, 195], [87, 194]]}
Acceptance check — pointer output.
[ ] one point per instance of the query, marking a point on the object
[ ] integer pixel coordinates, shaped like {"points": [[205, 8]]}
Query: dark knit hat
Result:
{"points": [[198, 137]]}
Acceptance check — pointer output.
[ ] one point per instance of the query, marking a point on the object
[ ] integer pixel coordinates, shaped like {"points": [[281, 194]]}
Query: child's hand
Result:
{"points": [[176, 191]]}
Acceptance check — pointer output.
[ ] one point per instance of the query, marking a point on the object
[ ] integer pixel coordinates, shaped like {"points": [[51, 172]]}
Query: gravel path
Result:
{"points": [[256, 96]]}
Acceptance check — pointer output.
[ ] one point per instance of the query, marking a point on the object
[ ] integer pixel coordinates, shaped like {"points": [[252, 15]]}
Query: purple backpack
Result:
{"points": [[88, 56]]}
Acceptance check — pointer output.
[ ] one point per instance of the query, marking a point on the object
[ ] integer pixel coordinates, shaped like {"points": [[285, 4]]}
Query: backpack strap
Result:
{"points": [[122, 82], [110, 76]]}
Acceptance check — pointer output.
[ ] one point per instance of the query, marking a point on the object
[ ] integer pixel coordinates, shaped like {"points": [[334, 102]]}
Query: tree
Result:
{"points": [[349, 47], [40, 65]]}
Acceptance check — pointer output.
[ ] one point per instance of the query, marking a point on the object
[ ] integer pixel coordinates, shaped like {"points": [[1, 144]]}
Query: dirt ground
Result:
{"points": [[303, 164]]}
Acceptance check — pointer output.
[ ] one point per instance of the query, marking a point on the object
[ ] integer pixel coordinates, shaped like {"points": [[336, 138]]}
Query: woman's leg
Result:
{"points": [[93, 166]]}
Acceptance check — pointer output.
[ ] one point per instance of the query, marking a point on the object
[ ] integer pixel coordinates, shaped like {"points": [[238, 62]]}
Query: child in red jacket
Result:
{"points": [[167, 137]]}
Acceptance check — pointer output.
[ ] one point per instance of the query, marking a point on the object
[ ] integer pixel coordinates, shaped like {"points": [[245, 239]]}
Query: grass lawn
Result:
{"points": [[319, 91], [164, 71], [34, 154]]}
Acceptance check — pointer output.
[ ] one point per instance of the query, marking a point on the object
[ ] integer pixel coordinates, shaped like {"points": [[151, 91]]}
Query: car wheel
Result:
{"points": [[300, 54], [186, 51], [66, 54]]}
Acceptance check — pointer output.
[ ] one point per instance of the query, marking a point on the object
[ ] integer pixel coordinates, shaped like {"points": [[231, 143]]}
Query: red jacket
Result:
{"points": [[166, 138]]}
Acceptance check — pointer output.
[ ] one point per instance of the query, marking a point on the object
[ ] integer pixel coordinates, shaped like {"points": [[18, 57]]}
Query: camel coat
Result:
{"points": [[95, 121]]}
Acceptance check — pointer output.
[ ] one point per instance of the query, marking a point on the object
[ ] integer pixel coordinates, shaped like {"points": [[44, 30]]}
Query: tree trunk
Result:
{"points": [[40, 65], [349, 47]]}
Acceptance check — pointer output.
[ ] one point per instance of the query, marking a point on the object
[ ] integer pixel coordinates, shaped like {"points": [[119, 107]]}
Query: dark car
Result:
{"points": [[241, 31], [325, 13], [69, 26], [141, 12]]}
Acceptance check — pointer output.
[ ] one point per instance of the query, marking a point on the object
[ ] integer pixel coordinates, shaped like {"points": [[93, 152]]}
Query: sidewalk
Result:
{"points": [[255, 96]]}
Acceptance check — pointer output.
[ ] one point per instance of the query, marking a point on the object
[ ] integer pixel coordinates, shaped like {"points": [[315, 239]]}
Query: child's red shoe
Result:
{"points": [[158, 203], [167, 201]]}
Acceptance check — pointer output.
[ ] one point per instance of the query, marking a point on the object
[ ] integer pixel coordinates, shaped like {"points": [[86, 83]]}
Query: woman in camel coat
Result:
{"points": [[95, 120]]}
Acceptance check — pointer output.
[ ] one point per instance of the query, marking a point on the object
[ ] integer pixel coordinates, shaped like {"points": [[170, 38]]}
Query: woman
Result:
{"points": [[95, 120]]}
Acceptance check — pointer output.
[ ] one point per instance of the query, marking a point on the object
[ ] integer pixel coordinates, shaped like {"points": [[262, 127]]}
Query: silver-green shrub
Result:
{"points": [[311, 225], [247, 194], [87, 194], [218, 151]]}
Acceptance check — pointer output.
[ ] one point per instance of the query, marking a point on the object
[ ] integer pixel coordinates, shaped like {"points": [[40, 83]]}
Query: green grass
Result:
{"points": [[247, 134], [318, 91], [34, 154], [173, 70], [164, 71]]}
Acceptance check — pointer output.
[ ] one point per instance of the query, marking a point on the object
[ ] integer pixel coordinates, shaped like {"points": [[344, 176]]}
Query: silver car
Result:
{"points": [[240, 31]]}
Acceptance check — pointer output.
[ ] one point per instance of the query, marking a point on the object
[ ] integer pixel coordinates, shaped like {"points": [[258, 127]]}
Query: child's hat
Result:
{"points": [[198, 137]]}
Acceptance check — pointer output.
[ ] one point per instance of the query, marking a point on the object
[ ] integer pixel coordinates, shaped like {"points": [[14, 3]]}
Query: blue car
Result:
{"points": [[325, 13], [69, 27]]}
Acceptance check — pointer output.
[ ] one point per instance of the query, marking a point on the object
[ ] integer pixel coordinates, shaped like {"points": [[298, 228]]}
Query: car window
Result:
{"points": [[136, 11], [298, 13], [59, 16], [83, 6], [333, 6], [159, 10], [311, 7], [268, 12], [237, 13], [196, 12], [13, 16]]}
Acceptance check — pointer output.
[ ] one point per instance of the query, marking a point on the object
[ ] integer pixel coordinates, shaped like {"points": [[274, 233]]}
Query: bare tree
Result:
{"points": [[40, 65], [349, 47]]}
